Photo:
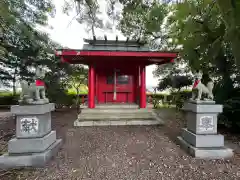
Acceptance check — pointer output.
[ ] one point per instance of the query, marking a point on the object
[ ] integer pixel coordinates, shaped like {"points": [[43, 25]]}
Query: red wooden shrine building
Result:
{"points": [[117, 69]]}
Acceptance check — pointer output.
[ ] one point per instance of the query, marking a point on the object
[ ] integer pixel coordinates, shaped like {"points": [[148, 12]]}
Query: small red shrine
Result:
{"points": [[117, 69]]}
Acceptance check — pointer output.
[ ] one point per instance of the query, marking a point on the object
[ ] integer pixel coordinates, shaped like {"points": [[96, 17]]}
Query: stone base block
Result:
{"points": [[30, 160], [208, 140], [33, 145], [203, 107], [202, 101], [206, 153], [32, 109], [202, 123]]}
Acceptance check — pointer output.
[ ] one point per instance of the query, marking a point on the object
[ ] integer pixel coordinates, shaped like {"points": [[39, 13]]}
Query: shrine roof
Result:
{"points": [[114, 45], [136, 49], [105, 41]]}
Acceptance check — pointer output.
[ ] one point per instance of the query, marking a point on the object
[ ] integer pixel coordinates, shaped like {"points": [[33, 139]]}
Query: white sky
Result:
{"points": [[72, 35]]}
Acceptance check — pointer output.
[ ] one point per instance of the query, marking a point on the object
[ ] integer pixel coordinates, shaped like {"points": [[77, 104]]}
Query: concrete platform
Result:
{"points": [[206, 153], [30, 160]]}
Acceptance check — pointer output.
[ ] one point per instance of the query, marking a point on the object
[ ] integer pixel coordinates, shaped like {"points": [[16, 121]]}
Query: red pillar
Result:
{"points": [[91, 87], [143, 87], [137, 86]]}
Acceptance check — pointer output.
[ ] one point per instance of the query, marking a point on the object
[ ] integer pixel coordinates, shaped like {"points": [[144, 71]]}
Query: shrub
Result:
{"points": [[7, 98], [230, 116], [156, 98], [180, 97]]}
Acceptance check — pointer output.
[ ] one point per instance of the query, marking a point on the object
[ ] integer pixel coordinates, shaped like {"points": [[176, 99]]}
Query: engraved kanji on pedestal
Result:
{"points": [[29, 125], [206, 123]]}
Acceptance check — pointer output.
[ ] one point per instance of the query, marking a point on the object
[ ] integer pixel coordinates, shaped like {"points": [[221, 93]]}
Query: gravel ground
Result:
{"points": [[125, 153]]}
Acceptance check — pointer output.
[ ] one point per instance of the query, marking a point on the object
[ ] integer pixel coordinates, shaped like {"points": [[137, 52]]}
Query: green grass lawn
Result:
{"points": [[83, 90]]}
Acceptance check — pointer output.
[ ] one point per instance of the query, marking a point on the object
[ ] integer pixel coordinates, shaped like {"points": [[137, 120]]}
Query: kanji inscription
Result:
{"points": [[29, 125], [206, 123]]}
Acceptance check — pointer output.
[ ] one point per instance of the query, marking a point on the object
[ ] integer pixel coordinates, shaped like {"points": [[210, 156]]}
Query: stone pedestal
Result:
{"points": [[35, 142], [200, 138]]}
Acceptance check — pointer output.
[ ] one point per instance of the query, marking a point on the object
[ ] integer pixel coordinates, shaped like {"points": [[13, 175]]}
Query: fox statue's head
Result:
{"points": [[198, 75], [40, 72]]}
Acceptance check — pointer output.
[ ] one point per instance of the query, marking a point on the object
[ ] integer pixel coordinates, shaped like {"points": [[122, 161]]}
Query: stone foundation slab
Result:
{"points": [[206, 153], [30, 160], [216, 140], [31, 145]]}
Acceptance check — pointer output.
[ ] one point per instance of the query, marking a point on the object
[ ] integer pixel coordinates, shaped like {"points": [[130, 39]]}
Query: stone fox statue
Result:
{"points": [[34, 93], [201, 88]]}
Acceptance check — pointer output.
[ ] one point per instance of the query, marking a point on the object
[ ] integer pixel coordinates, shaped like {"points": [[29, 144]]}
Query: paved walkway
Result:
{"points": [[126, 153]]}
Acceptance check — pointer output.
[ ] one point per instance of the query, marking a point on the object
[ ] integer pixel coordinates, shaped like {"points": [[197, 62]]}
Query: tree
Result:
{"points": [[145, 20], [230, 12], [87, 12], [77, 77], [20, 43], [208, 32]]}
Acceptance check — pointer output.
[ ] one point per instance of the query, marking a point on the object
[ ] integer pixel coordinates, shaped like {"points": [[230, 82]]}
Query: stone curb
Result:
{"points": [[78, 123]]}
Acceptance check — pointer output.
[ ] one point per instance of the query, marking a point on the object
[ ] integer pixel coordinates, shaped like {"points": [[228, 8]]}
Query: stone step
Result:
{"points": [[116, 116], [113, 111], [79, 123], [117, 106]]}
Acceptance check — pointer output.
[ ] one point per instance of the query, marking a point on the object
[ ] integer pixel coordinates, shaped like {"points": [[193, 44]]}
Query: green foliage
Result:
{"points": [[21, 46], [231, 112], [155, 99], [8, 98], [144, 20], [87, 12], [175, 99], [230, 12], [174, 82], [173, 76], [60, 98], [207, 32], [207, 35], [180, 97], [77, 76]]}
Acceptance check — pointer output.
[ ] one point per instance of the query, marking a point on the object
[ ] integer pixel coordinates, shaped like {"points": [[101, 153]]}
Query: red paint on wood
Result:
{"points": [[125, 92], [83, 99], [143, 88], [91, 87], [128, 63], [118, 53], [63, 59]]}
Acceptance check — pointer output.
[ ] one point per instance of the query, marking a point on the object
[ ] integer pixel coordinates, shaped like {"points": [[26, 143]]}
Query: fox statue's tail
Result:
{"points": [[24, 86], [210, 86]]}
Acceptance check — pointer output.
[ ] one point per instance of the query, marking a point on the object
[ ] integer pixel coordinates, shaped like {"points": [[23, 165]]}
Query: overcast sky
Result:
{"points": [[71, 35]]}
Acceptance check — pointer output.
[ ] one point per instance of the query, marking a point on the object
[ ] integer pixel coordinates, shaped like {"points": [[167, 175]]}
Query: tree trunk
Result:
{"points": [[14, 83], [77, 102], [93, 30]]}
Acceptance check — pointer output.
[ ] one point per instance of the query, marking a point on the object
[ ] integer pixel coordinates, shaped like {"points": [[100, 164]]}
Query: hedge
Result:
{"points": [[7, 98], [175, 98]]}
